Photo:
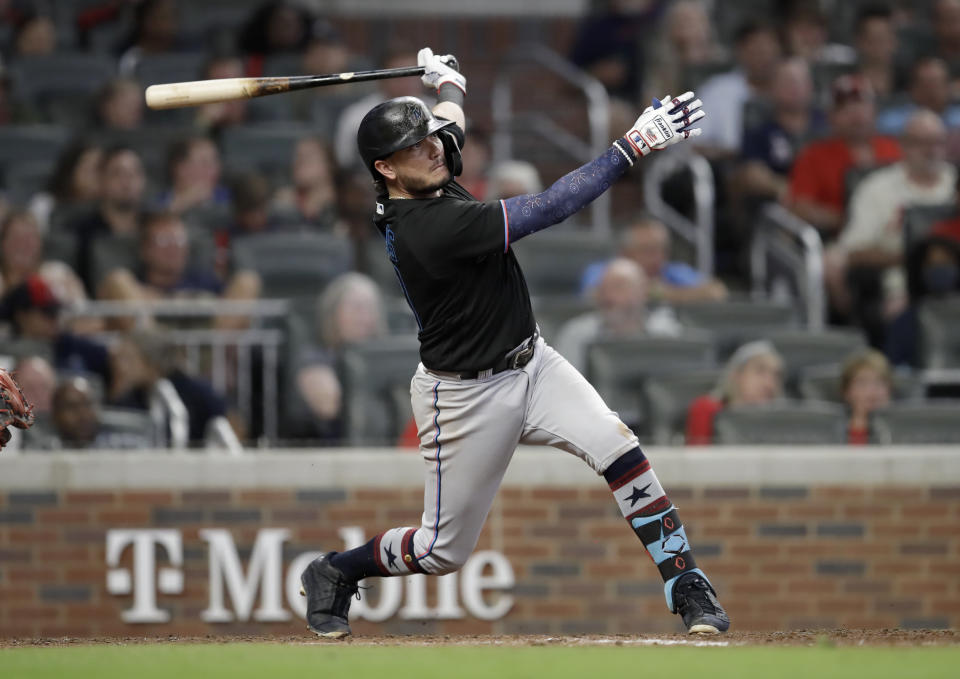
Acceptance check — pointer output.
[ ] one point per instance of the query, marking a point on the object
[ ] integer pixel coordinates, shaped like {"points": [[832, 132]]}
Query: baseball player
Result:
{"points": [[487, 381]]}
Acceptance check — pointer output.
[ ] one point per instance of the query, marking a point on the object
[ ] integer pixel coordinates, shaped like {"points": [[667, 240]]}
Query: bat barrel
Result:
{"points": [[198, 92]]}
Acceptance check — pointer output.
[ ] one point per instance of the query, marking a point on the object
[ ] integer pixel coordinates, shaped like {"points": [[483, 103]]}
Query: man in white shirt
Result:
{"points": [[873, 236], [621, 300]]}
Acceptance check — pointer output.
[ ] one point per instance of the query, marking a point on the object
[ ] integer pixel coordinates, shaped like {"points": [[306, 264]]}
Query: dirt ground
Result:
{"points": [[835, 637]]}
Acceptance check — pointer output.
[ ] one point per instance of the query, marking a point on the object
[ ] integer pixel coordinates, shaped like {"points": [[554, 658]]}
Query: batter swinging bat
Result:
{"points": [[196, 92]]}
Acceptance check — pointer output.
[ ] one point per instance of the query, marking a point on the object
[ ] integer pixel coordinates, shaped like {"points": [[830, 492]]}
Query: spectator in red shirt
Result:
{"points": [[817, 190], [752, 376], [865, 383]]}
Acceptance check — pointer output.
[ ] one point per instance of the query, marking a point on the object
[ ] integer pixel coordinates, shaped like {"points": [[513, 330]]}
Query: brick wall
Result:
{"points": [[783, 555]]}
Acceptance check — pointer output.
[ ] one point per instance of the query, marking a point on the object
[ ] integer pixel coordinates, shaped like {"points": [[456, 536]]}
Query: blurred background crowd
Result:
{"points": [[211, 277]]}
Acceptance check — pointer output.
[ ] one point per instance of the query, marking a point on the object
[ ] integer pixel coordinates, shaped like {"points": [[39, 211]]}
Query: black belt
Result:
{"points": [[512, 360]]}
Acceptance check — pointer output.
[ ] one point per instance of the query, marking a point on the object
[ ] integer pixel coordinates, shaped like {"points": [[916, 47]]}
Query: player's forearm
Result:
{"points": [[449, 110], [661, 125], [535, 211]]}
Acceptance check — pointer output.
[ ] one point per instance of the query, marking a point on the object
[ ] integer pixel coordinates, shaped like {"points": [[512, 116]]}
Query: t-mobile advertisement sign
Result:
{"points": [[262, 590]]}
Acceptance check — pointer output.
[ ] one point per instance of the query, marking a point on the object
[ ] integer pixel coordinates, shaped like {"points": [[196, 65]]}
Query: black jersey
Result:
{"points": [[463, 283]]}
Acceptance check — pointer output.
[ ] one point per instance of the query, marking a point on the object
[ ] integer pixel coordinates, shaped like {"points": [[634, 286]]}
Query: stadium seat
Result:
{"points": [[172, 67], [932, 421], [25, 178], [267, 148], [36, 77], [668, 396], [618, 368], [940, 333], [152, 143], [787, 423], [801, 348], [38, 143], [110, 252], [918, 220], [735, 322], [293, 264], [553, 262], [822, 383], [136, 423], [373, 373], [553, 311]]}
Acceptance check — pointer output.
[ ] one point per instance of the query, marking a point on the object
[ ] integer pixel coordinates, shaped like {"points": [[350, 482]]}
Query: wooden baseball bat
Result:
{"points": [[196, 92]]}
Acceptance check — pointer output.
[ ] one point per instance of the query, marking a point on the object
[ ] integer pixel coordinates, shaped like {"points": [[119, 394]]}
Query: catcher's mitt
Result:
{"points": [[15, 410]]}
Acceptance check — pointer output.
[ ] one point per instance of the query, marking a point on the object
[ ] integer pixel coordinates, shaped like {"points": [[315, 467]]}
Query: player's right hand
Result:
{"points": [[440, 70], [667, 122]]}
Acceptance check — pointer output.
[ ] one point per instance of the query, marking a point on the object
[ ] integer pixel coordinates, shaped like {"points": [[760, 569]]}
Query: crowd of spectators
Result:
{"points": [[848, 114]]}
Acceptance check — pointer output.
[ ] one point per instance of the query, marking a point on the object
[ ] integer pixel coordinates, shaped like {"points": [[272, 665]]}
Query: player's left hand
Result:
{"points": [[668, 121], [440, 70]]}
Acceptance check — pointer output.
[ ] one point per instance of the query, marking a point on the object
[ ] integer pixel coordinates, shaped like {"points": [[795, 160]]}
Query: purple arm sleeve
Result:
{"points": [[530, 213]]}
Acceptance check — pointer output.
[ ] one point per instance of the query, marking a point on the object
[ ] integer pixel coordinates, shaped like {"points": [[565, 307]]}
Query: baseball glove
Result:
{"points": [[15, 410]]}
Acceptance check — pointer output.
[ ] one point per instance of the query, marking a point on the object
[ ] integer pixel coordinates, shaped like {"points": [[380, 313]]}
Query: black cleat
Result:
{"points": [[328, 595], [696, 602]]}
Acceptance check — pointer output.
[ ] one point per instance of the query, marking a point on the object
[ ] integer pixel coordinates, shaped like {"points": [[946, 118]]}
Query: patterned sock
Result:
{"points": [[390, 553], [652, 516]]}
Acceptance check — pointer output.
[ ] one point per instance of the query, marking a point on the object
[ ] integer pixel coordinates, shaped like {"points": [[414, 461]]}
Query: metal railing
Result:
{"points": [[782, 236], [228, 358], [698, 232], [506, 121]]}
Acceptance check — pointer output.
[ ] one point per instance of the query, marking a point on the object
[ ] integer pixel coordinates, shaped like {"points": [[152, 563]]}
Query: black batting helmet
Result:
{"points": [[393, 125]]}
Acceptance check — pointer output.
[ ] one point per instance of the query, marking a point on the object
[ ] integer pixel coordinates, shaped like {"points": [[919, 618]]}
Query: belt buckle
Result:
{"points": [[522, 357]]}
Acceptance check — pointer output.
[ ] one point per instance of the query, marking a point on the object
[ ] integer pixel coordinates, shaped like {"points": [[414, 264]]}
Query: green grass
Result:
{"points": [[273, 661]]}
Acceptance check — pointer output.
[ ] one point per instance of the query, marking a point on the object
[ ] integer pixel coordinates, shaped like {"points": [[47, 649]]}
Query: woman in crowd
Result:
{"points": [[865, 383], [753, 376]]}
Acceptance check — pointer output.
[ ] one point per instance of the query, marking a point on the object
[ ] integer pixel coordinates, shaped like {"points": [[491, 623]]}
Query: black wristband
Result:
{"points": [[450, 92], [626, 148]]}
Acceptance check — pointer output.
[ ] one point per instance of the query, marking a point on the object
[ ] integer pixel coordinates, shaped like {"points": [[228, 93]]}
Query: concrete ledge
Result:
{"points": [[531, 467]]}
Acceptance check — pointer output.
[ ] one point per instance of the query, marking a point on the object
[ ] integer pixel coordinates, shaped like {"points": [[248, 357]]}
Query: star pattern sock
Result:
{"points": [[390, 553], [652, 516]]}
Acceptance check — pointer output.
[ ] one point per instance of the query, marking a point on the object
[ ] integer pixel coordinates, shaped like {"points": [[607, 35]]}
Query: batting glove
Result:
{"points": [[665, 123], [440, 70]]}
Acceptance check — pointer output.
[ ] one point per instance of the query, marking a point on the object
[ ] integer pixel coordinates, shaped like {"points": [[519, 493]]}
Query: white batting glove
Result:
{"points": [[665, 123], [440, 70]]}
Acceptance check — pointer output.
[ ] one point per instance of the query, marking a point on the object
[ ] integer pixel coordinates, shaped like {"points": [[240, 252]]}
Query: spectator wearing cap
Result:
{"points": [[34, 314], [870, 246], [752, 376], [818, 179]]}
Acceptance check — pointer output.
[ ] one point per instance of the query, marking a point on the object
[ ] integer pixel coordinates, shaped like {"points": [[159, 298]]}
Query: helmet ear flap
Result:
{"points": [[451, 151]]}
